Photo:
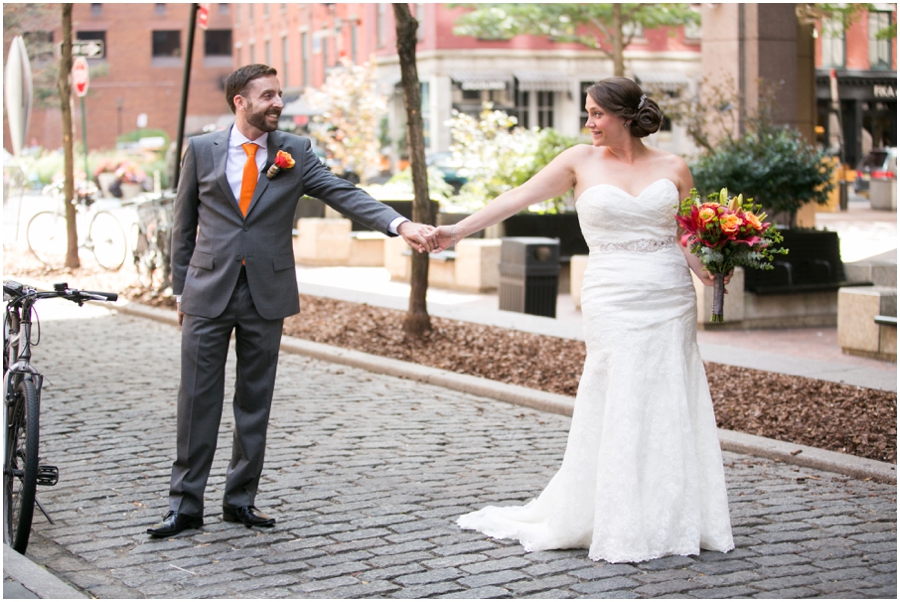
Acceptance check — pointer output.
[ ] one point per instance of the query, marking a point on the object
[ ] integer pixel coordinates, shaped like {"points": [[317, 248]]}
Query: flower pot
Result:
{"points": [[130, 190], [105, 180]]}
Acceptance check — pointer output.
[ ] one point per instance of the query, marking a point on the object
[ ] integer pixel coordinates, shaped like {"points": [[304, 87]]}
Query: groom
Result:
{"points": [[233, 271]]}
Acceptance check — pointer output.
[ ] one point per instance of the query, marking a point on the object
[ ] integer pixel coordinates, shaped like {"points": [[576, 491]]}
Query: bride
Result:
{"points": [[642, 474]]}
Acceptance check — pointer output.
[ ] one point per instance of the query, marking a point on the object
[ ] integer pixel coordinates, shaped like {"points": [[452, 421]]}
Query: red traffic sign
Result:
{"points": [[80, 77], [203, 16]]}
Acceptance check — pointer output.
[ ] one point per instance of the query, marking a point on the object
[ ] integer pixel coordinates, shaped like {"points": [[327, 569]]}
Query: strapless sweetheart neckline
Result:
{"points": [[639, 195]]}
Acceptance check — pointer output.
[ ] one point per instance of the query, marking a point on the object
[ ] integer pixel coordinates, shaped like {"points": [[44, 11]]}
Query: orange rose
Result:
{"points": [[706, 214], [753, 221], [731, 223]]}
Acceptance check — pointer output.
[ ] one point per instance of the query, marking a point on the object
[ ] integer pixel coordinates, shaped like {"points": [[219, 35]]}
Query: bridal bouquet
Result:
{"points": [[726, 232]]}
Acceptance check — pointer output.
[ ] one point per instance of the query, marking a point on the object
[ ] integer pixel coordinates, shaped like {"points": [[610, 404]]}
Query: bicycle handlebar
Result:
{"points": [[18, 291]]}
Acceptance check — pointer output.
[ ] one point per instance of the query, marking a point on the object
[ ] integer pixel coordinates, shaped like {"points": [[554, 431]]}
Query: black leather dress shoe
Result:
{"points": [[175, 522], [248, 515]]}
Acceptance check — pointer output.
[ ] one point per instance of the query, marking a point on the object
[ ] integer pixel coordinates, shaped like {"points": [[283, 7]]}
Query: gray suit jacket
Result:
{"points": [[211, 238]]}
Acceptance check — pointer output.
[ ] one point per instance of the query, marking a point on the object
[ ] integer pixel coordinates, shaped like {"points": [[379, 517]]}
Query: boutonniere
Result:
{"points": [[283, 160]]}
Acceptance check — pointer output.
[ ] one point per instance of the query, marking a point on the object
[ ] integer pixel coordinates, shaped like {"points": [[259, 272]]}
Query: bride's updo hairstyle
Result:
{"points": [[623, 98]]}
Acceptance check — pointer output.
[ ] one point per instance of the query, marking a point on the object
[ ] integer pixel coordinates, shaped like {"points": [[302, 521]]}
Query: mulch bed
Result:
{"points": [[805, 411]]}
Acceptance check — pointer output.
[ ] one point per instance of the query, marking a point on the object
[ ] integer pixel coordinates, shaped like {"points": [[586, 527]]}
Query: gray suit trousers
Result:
{"points": [[204, 350]]}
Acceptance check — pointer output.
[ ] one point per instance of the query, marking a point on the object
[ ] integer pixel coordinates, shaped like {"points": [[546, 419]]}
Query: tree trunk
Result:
{"points": [[417, 321], [618, 46], [65, 105]]}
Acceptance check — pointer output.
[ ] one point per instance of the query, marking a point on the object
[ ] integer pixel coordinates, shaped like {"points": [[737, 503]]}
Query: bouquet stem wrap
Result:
{"points": [[718, 304]]}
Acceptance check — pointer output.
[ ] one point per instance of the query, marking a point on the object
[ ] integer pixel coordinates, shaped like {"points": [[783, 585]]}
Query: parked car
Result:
{"points": [[454, 173], [880, 163]]}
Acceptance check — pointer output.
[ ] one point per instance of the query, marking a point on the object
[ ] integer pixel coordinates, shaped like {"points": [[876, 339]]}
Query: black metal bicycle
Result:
{"points": [[22, 470]]}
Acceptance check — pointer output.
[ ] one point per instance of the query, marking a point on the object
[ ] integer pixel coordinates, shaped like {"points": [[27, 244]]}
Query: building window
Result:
{"points": [[239, 56], [249, 13], [523, 99], [96, 9], [353, 42], [545, 109], [420, 17], [582, 127], [160, 8], [237, 14], [693, 32], [304, 57], [225, 9], [833, 54], [284, 61], [93, 35], [879, 50], [167, 43], [633, 30], [218, 42], [265, 10], [324, 43], [268, 52], [252, 53], [39, 45], [380, 25]]}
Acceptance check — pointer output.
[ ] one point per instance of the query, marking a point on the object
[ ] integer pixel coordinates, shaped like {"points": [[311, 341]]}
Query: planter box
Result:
{"points": [[562, 226], [813, 264]]}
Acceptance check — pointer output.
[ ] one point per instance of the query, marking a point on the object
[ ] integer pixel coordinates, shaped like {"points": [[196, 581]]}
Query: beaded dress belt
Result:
{"points": [[641, 245]]}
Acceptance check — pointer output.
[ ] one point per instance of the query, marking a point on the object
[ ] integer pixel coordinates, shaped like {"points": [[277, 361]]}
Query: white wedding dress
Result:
{"points": [[642, 475]]}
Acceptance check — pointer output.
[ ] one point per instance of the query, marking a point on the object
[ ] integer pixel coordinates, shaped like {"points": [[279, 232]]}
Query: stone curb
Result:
{"points": [[36, 578], [790, 453]]}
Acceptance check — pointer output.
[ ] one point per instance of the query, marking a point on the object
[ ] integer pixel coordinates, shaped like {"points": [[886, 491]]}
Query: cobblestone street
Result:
{"points": [[366, 475]]}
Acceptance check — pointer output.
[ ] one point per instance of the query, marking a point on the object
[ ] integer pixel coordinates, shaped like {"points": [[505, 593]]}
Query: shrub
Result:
{"points": [[775, 166]]}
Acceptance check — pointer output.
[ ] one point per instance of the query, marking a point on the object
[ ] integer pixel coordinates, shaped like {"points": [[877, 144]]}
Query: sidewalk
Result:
{"points": [[366, 474]]}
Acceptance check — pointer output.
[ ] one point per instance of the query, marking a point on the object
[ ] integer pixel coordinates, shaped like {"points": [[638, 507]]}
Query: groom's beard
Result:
{"points": [[258, 118]]}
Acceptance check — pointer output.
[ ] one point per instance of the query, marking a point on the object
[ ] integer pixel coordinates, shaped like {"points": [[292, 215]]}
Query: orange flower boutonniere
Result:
{"points": [[283, 160]]}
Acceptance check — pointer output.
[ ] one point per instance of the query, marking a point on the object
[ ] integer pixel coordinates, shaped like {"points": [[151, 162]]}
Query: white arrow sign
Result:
{"points": [[91, 49]]}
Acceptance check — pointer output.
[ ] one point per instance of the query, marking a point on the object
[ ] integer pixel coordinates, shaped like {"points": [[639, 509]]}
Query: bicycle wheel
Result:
{"points": [[21, 465], [108, 238], [47, 238]]}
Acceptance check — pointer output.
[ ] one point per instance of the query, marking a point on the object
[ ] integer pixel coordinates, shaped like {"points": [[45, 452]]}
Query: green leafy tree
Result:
{"points": [[349, 126], [498, 156], [605, 27]]}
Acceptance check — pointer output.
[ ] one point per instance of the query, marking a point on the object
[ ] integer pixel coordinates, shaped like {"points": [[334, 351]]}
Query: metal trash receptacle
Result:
{"points": [[529, 275]]}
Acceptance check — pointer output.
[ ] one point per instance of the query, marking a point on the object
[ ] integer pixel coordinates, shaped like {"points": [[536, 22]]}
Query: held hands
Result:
{"points": [[417, 236], [443, 238]]}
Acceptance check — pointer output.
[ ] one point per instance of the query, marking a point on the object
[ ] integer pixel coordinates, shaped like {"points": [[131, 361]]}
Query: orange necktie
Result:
{"points": [[248, 181]]}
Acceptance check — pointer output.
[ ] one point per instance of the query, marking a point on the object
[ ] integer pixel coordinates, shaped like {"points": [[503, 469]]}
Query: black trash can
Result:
{"points": [[529, 275]]}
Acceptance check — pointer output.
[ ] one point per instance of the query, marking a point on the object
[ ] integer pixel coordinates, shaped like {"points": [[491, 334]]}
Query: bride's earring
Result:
{"points": [[625, 124]]}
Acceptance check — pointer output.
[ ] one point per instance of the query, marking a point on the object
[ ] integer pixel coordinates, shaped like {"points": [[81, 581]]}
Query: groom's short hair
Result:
{"points": [[237, 82]]}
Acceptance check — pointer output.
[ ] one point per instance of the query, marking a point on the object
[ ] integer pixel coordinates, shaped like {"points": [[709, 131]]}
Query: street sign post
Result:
{"points": [[80, 82]]}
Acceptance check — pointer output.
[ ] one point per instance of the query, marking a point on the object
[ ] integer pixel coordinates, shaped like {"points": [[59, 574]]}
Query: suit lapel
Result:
{"points": [[220, 156], [273, 144]]}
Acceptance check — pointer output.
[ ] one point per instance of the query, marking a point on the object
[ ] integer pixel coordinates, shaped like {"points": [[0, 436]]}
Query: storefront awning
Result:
{"points": [[543, 81], [482, 80], [670, 81]]}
